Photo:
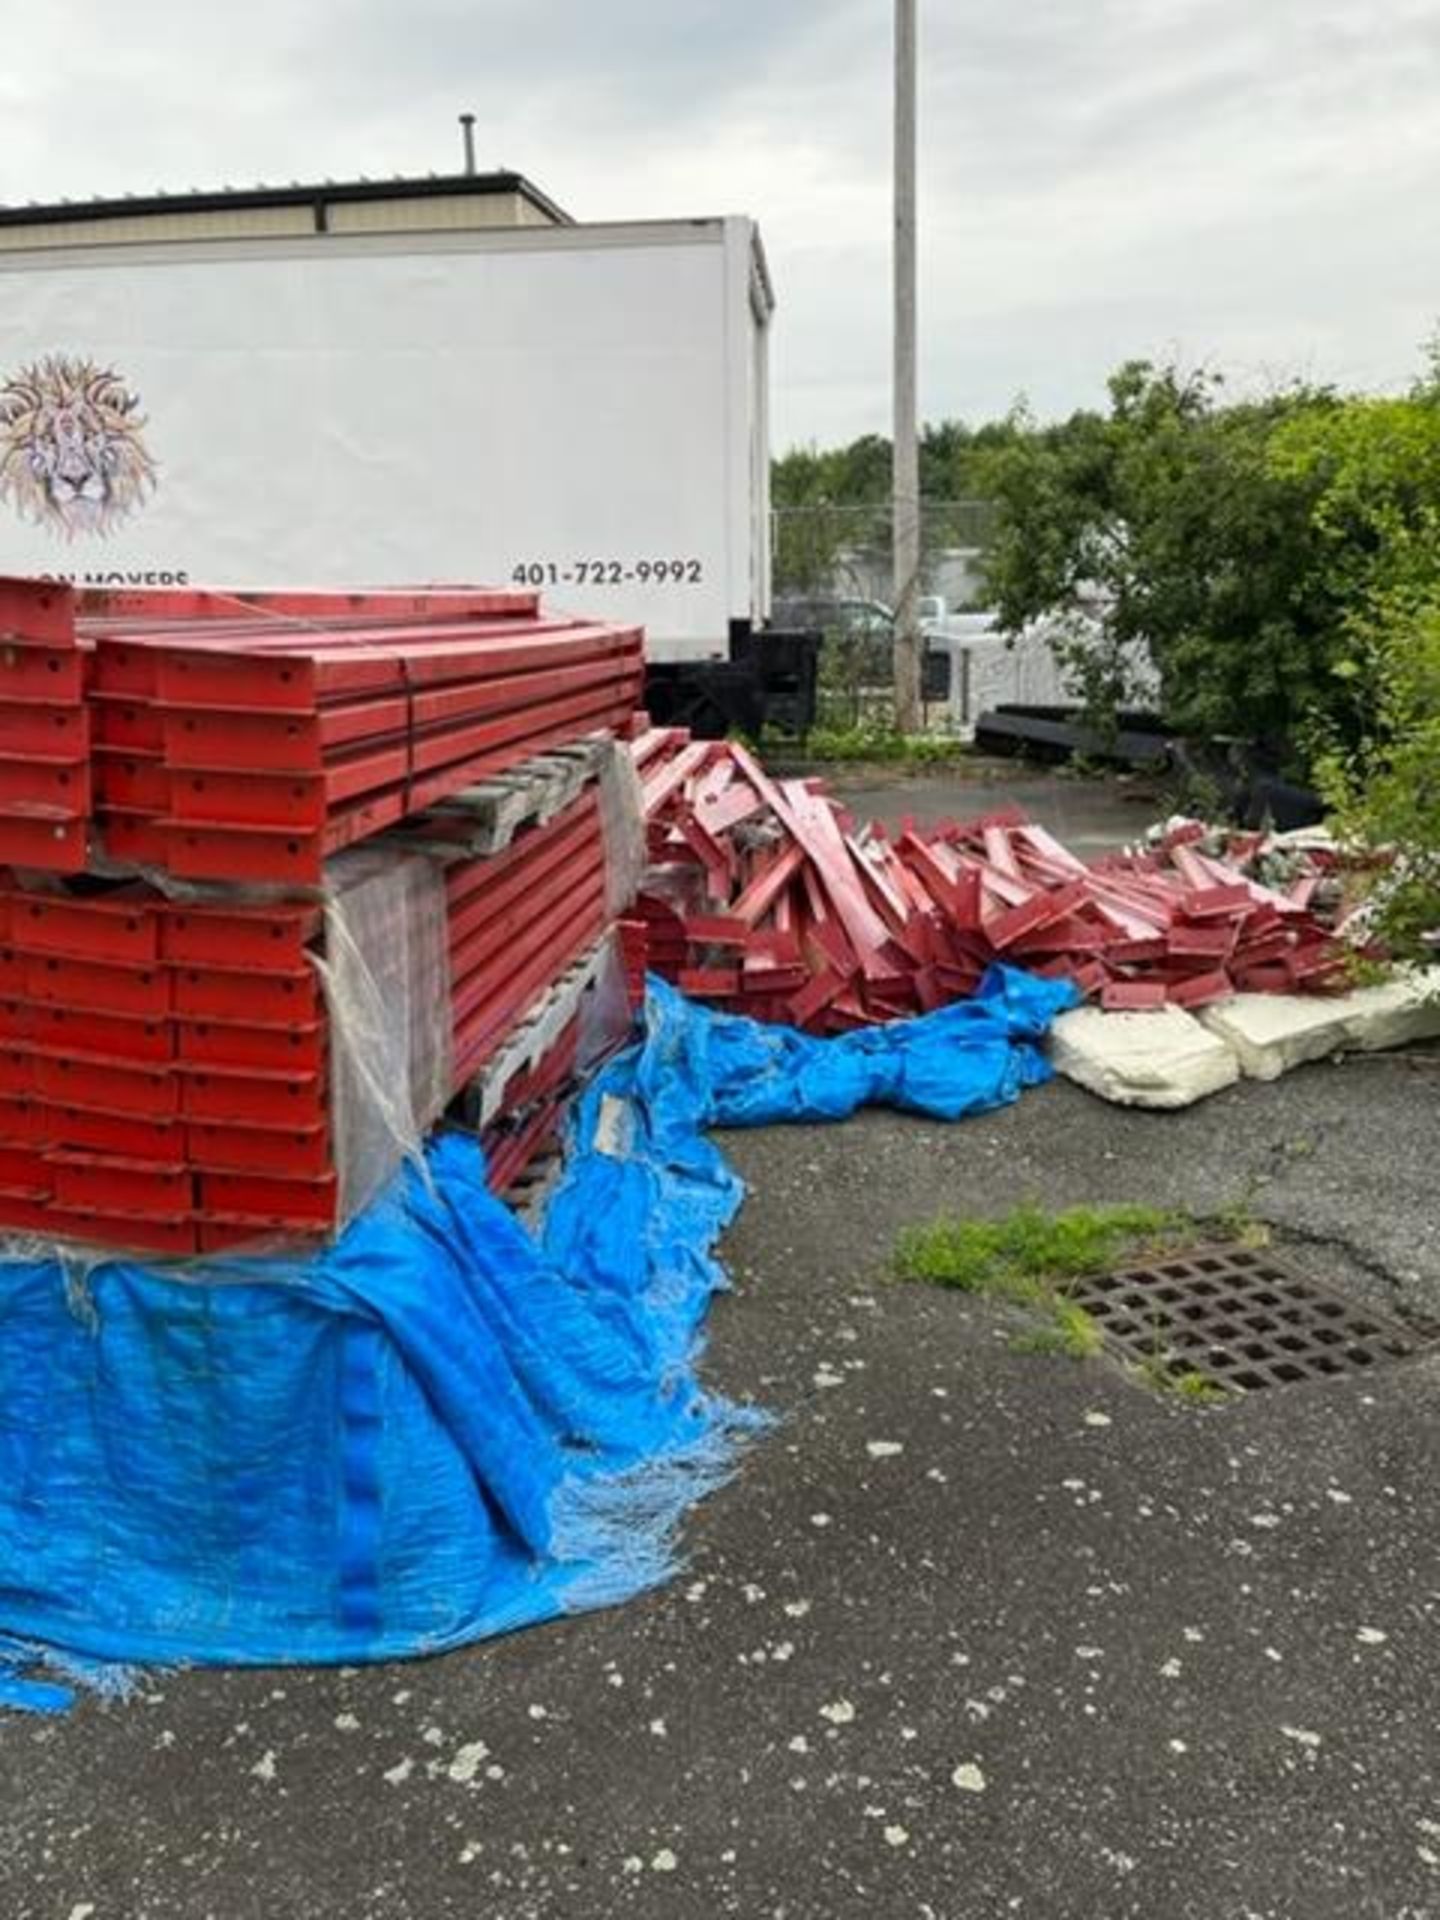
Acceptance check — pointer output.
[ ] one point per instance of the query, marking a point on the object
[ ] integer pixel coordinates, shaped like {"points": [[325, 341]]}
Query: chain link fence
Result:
{"points": [[833, 570]]}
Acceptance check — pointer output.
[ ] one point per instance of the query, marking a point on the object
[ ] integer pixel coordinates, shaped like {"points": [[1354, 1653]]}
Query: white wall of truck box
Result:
{"points": [[581, 408]]}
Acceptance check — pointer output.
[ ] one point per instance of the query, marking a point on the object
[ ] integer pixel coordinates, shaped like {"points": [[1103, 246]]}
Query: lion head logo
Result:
{"points": [[72, 455]]}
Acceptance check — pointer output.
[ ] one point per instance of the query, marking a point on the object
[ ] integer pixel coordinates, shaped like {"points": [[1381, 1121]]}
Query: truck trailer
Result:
{"points": [[406, 383]]}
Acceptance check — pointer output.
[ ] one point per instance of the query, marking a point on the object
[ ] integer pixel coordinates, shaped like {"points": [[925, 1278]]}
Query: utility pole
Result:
{"points": [[905, 486]]}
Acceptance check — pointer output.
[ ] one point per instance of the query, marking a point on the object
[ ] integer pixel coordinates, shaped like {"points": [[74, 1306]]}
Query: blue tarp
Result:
{"points": [[436, 1429]]}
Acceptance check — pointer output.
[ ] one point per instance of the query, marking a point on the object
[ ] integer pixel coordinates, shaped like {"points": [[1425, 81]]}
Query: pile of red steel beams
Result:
{"points": [[764, 899], [167, 1048]]}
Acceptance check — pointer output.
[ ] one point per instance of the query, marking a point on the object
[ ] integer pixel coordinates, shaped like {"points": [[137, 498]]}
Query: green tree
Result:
{"points": [[1376, 464], [1162, 528]]}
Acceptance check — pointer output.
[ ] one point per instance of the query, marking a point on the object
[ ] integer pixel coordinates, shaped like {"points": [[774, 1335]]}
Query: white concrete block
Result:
{"points": [[1395, 1014], [1160, 1059], [1272, 1032]]}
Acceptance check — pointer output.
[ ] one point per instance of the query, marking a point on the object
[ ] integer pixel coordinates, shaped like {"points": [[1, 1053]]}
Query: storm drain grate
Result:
{"points": [[1243, 1318]]}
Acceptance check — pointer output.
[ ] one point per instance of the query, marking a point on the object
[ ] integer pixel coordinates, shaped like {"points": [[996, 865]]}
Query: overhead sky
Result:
{"points": [[1250, 183]]}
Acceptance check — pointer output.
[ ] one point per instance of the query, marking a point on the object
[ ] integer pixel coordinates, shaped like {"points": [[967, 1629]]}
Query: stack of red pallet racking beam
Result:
{"points": [[168, 1050], [45, 758], [248, 740]]}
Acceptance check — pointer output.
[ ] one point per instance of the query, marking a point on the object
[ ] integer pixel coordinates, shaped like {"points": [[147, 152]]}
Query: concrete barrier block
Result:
{"points": [[1270, 1033], [1160, 1059], [1273, 1032], [1396, 1014]]}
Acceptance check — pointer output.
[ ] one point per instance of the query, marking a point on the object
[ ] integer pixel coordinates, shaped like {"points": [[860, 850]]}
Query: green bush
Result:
{"points": [[876, 743], [1385, 791], [1376, 744]]}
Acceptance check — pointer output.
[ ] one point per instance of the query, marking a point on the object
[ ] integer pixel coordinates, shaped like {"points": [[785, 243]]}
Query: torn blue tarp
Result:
{"points": [[436, 1429]]}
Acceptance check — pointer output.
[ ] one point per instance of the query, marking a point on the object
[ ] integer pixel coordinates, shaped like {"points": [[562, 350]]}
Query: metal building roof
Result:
{"points": [[317, 195]]}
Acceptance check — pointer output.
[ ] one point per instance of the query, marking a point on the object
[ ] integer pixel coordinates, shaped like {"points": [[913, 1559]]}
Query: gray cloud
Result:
{"points": [[1249, 183]]}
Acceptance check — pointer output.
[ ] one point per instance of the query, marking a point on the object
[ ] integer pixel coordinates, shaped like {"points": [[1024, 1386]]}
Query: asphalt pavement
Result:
{"points": [[1091, 815], [972, 1633]]}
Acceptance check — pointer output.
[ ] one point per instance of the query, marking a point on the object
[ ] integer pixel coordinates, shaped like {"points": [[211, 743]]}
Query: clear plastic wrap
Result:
{"points": [[386, 976], [622, 819], [607, 1019]]}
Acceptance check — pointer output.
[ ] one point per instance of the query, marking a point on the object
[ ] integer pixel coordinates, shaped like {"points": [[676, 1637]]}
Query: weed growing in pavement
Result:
{"points": [[1070, 1330], [1025, 1252], [1198, 1388], [1029, 1257]]}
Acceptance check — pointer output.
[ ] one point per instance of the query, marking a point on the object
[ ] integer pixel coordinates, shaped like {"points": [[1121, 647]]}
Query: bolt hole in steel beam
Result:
{"points": [[1245, 1320]]}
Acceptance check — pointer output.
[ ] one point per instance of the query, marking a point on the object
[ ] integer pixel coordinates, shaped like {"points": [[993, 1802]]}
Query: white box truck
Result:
{"points": [[579, 408]]}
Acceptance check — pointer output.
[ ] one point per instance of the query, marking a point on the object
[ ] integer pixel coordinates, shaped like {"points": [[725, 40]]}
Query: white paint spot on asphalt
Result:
{"points": [[83, 1911], [1302, 1736], [466, 1764], [659, 1729], [1429, 1856], [1178, 1746], [1265, 1520], [825, 1378], [753, 1594], [783, 1652], [664, 1862], [400, 1699], [347, 1723], [1089, 1653], [433, 1737], [400, 1772], [537, 1712], [1274, 1653], [797, 1609], [696, 1591], [799, 1744], [471, 1850], [938, 1475], [896, 1837], [1170, 1670], [968, 1778], [1194, 1635], [839, 1713], [632, 1864], [1094, 1418], [1371, 1637], [264, 1767], [819, 1519], [883, 1449], [1341, 1498]]}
